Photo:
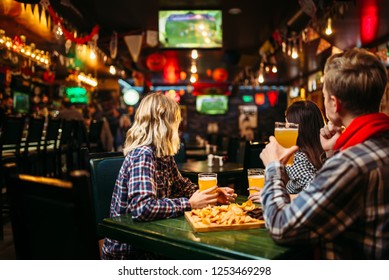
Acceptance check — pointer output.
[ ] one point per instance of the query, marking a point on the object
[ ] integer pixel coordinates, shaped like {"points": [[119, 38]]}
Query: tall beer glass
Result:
{"points": [[286, 134]]}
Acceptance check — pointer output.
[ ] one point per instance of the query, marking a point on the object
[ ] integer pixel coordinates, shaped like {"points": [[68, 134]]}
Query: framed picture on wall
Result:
{"points": [[248, 121]]}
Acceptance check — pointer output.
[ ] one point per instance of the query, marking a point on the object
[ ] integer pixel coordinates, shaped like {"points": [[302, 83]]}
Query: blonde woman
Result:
{"points": [[149, 185]]}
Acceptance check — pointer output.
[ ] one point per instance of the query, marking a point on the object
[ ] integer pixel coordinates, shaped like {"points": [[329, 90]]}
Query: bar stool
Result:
{"points": [[10, 151], [32, 148], [50, 152]]}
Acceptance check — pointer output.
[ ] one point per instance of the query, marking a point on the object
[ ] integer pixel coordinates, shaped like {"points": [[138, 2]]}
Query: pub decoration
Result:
{"points": [[68, 34], [155, 62], [220, 75]]}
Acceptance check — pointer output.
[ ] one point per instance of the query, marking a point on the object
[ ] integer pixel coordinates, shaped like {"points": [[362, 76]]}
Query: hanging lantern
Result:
{"points": [[183, 75], [259, 98], [155, 62], [219, 75], [49, 76]]}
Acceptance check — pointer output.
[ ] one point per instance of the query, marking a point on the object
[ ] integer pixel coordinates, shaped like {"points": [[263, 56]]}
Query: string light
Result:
{"points": [[87, 79], [193, 68], [193, 78], [195, 54]]}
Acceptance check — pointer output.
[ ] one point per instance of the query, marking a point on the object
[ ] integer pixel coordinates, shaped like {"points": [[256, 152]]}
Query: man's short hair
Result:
{"points": [[357, 78]]}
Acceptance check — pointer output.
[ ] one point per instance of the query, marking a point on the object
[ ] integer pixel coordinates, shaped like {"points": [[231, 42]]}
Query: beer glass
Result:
{"points": [[207, 180], [286, 134]]}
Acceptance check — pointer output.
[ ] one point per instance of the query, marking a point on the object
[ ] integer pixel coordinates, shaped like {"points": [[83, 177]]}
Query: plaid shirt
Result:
{"points": [[300, 174], [345, 208], [149, 188]]}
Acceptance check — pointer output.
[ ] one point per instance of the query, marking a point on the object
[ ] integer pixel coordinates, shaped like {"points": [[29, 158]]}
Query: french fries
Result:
{"points": [[232, 214]]}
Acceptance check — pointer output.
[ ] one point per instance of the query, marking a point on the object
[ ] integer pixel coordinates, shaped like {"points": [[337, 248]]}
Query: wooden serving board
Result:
{"points": [[201, 227]]}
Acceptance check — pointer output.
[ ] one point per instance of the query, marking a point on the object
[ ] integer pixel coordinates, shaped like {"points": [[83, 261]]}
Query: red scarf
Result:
{"points": [[361, 129]]}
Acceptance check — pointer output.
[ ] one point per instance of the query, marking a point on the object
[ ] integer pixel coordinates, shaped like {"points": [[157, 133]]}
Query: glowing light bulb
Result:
{"points": [[193, 68], [192, 79], [112, 70], [260, 78], [92, 55], [195, 54], [294, 53], [328, 30]]}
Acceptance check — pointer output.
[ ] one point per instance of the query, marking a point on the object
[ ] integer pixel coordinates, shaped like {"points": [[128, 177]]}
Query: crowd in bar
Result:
{"points": [[112, 140]]}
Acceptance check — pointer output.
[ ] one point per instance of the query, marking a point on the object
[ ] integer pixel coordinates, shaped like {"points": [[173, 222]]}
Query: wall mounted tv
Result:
{"points": [[21, 102], [212, 104], [198, 29], [76, 95]]}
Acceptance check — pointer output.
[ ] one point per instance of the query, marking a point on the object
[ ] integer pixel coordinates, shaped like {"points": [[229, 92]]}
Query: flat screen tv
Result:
{"points": [[21, 102], [77, 95], [196, 29], [212, 104]]}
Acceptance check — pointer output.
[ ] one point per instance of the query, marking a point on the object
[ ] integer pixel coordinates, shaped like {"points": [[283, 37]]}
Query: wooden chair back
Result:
{"points": [[52, 218]]}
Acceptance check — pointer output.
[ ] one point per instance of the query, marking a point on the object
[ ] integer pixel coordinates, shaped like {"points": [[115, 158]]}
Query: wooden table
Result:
{"points": [[175, 239]]}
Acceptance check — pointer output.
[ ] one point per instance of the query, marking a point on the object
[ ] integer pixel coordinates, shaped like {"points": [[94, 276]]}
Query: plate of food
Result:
{"points": [[226, 217]]}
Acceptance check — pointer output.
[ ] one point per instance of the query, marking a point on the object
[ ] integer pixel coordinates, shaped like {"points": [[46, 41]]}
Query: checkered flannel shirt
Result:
{"points": [[345, 209], [149, 188], [300, 174]]}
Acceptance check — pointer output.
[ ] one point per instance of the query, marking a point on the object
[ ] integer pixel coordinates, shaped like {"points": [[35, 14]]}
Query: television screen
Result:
{"points": [[77, 95], [21, 102], [212, 104], [190, 29]]}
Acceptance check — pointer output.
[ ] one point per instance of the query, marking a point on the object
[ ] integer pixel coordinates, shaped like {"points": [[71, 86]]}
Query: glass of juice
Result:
{"points": [[207, 180], [286, 134], [256, 178]]}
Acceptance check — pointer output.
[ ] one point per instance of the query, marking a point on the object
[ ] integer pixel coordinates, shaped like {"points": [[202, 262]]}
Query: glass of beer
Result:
{"points": [[207, 180], [256, 178], [286, 134]]}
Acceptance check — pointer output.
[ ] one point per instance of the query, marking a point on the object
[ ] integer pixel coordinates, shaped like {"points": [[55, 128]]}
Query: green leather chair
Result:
{"points": [[104, 169]]}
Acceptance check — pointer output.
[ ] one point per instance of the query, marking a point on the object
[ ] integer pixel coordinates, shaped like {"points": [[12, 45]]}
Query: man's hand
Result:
{"points": [[275, 152], [328, 136]]}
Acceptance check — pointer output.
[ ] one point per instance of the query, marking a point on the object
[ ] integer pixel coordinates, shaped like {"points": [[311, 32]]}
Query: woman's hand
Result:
{"points": [[256, 196], [204, 198], [226, 195]]}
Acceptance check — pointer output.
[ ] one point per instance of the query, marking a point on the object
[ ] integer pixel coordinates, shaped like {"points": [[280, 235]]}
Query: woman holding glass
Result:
{"points": [[149, 185], [308, 159]]}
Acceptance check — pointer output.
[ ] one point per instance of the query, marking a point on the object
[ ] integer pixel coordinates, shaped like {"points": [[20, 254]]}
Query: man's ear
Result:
{"points": [[337, 104]]}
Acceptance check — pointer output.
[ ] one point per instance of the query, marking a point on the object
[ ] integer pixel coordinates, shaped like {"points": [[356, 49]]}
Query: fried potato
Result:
{"points": [[231, 214]]}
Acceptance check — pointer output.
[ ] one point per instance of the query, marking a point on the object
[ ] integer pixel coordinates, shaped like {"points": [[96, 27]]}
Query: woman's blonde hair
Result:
{"points": [[156, 123]]}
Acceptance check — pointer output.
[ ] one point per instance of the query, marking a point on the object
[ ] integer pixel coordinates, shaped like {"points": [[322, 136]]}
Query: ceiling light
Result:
{"points": [[193, 78], [193, 68], [195, 54], [112, 70], [260, 78], [294, 53], [328, 30]]}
